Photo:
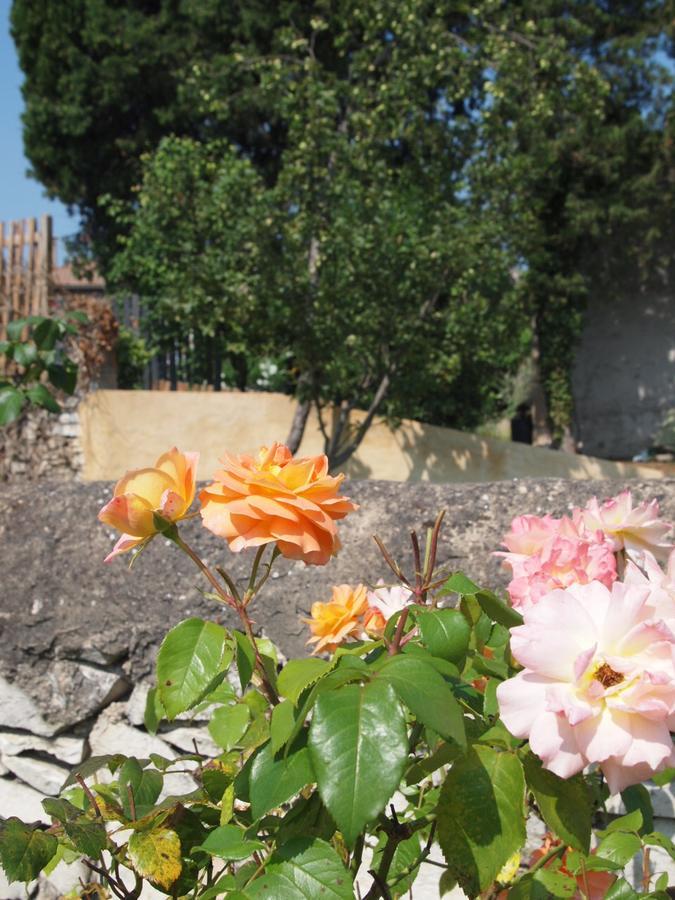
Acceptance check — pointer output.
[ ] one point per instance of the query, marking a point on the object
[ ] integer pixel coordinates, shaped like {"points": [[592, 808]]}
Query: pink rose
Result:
{"points": [[598, 684], [633, 529]]}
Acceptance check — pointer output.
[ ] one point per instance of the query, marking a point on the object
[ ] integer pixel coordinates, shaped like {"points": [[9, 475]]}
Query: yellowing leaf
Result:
{"points": [[156, 855]]}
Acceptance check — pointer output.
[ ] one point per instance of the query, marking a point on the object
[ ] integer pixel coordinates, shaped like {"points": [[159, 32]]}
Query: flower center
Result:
{"points": [[607, 677]]}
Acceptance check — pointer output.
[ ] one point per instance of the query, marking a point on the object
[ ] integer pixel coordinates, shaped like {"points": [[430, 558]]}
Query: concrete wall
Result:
{"points": [[624, 374], [121, 430]]}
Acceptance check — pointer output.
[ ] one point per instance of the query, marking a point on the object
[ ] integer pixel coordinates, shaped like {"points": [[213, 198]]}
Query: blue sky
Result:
{"points": [[20, 196]]}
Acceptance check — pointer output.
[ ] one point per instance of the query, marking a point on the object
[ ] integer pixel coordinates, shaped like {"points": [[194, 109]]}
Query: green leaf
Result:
{"points": [[224, 887], [11, 404], [229, 842], [63, 377], [276, 780], [154, 711], [110, 761], [426, 695], [656, 839], [631, 822], [282, 723], [298, 674], [458, 583], [542, 885], [245, 658], [156, 855], [637, 797], [481, 822], [89, 837], [619, 847], [228, 725], [145, 785], [46, 333], [25, 354], [41, 396], [358, 746], [15, 329], [621, 890], [189, 658], [446, 633], [497, 610], [303, 869], [565, 804], [24, 851]]}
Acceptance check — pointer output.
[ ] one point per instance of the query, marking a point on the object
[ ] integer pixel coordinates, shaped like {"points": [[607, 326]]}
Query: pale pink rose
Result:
{"points": [[598, 684], [383, 603], [528, 535], [635, 529], [661, 584], [570, 554]]}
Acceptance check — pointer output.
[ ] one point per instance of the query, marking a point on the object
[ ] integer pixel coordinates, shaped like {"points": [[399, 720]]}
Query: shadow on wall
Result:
{"points": [[624, 373], [123, 430]]}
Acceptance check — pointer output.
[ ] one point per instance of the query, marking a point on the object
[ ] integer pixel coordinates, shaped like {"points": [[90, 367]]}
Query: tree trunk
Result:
{"points": [[297, 430]]}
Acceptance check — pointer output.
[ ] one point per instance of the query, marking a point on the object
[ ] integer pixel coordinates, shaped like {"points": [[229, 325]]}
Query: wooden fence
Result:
{"points": [[26, 260]]}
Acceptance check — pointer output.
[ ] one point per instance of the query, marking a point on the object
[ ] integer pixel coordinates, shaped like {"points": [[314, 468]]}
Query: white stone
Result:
{"points": [[19, 800], [62, 880], [111, 734], [45, 777], [135, 707], [183, 738], [18, 710], [67, 749], [663, 801]]}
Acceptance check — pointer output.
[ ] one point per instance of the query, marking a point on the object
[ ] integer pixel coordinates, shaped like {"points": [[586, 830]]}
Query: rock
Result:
{"points": [[18, 799], [111, 734], [44, 776], [67, 749], [135, 706], [18, 710], [183, 738], [77, 691]]}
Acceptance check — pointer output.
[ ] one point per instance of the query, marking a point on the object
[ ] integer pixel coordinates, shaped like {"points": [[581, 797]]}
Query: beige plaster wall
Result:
{"points": [[122, 430]]}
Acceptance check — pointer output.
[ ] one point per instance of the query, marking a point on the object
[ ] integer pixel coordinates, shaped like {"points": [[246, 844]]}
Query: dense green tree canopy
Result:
{"points": [[400, 160]]}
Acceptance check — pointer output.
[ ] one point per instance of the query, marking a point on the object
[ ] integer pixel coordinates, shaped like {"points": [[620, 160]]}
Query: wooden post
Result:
{"points": [[45, 257], [29, 270]]}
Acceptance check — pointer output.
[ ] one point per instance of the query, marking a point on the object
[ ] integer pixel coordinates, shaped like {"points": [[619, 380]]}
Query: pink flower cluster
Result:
{"points": [[598, 684], [545, 553]]}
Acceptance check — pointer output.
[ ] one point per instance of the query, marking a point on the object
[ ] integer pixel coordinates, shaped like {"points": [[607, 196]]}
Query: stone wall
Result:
{"points": [[79, 638], [41, 444]]}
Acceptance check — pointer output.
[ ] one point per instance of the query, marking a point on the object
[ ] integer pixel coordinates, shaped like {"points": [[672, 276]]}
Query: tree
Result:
{"points": [[575, 142], [384, 288], [520, 135]]}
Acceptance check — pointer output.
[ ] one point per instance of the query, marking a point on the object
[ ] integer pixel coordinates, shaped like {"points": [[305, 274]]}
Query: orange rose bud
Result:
{"points": [[275, 498], [374, 622], [333, 622], [141, 496]]}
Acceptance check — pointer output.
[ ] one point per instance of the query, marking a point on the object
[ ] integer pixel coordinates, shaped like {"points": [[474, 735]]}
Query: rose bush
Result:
{"points": [[430, 712]]}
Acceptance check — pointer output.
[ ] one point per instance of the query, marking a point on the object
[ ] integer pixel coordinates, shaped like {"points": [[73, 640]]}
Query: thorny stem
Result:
{"points": [[646, 872], [204, 569], [400, 625], [90, 796], [234, 602]]}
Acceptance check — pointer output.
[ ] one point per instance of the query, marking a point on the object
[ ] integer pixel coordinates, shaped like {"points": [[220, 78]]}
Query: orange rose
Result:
{"points": [[333, 622], [167, 489], [374, 622], [274, 498]]}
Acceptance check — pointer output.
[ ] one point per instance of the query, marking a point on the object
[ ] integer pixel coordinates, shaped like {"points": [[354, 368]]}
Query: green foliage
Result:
{"points": [[350, 189], [480, 816], [392, 745], [34, 356]]}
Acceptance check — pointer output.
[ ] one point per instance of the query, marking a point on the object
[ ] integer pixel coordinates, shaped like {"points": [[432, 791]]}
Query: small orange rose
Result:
{"points": [[374, 622], [275, 498], [167, 489], [333, 622]]}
